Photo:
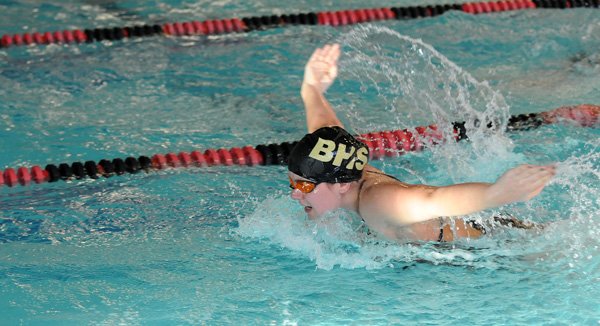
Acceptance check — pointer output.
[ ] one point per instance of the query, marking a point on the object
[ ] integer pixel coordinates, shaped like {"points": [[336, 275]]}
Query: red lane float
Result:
{"points": [[381, 144], [585, 115], [236, 25]]}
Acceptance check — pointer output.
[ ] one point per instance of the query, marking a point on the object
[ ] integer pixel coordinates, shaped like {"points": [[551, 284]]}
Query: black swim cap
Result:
{"points": [[329, 154]]}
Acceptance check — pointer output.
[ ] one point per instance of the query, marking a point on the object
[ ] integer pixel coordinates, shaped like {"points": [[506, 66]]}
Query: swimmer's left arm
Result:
{"points": [[421, 203]]}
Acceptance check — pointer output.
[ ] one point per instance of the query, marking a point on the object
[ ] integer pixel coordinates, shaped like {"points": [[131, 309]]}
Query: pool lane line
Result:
{"points": [[381, 144], [248, 24]]}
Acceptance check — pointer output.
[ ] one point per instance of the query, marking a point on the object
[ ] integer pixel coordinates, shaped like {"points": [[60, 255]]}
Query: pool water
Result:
{"points": [[226, 245]]}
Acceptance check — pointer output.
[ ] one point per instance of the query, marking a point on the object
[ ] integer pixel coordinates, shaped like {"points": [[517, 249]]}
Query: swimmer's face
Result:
{"points": [[325, 197]]}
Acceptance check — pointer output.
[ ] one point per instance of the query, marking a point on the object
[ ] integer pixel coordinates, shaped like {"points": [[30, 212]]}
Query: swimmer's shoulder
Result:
{"points": [[375, 179], [379, 190], [388, 200]]}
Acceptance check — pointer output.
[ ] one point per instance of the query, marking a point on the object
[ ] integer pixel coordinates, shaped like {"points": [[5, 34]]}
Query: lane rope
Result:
{"points": [[248, 24], [381, 144]]}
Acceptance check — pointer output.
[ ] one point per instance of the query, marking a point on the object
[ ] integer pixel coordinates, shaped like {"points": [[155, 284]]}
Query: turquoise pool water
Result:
{"points": [[226, 245]]}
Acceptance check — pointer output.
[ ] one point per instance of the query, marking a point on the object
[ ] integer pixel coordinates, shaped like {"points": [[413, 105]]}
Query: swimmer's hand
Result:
{"points": [[519, 184], [321, 68]]}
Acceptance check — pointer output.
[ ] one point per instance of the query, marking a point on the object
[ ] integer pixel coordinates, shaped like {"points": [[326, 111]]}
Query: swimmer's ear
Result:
{"points": [[344, 187]]}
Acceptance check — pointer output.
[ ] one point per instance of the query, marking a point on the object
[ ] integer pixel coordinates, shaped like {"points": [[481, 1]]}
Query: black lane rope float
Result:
{"points": [[237, 25], [381, 144]]}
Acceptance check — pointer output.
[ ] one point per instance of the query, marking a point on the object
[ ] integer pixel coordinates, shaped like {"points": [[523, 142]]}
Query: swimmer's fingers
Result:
{"points": [[321, 69], [531, 179], [538, 185], [522, 183], [316, 55], [328, 53], [530, 175], [331, 57], [331, 53], [535, 174], [528, 172]]}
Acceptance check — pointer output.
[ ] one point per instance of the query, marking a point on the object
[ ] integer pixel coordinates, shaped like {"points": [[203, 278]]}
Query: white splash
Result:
{"points": [[404, 82]]}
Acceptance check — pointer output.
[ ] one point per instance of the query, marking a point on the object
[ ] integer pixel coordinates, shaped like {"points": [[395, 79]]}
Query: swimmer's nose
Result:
{"points": [[296, 194]]}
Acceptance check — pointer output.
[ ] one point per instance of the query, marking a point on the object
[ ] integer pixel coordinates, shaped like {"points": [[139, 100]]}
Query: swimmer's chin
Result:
{"points": [[311, 213]]}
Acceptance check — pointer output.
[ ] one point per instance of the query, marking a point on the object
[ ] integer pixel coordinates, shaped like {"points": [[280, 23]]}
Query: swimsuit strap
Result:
{"points": [[441, 236], [362, 183], [384, 174]]}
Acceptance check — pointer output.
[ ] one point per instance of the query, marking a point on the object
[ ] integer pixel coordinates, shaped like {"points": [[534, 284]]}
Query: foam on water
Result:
{"points": [[340, 239], [333, 240]]}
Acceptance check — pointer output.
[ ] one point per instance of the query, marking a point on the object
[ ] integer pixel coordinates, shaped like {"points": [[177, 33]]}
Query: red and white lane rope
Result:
{"points": [[381, 144]]}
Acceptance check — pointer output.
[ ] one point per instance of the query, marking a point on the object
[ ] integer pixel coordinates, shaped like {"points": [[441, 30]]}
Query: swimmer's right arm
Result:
{"points": [[319, 74]]}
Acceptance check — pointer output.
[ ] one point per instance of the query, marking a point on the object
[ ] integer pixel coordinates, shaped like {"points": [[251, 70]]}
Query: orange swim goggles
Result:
{"points": [[304, 186]]}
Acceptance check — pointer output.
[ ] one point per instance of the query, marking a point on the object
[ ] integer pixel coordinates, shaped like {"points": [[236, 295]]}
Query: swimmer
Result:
{"points": [[328, 170]]}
